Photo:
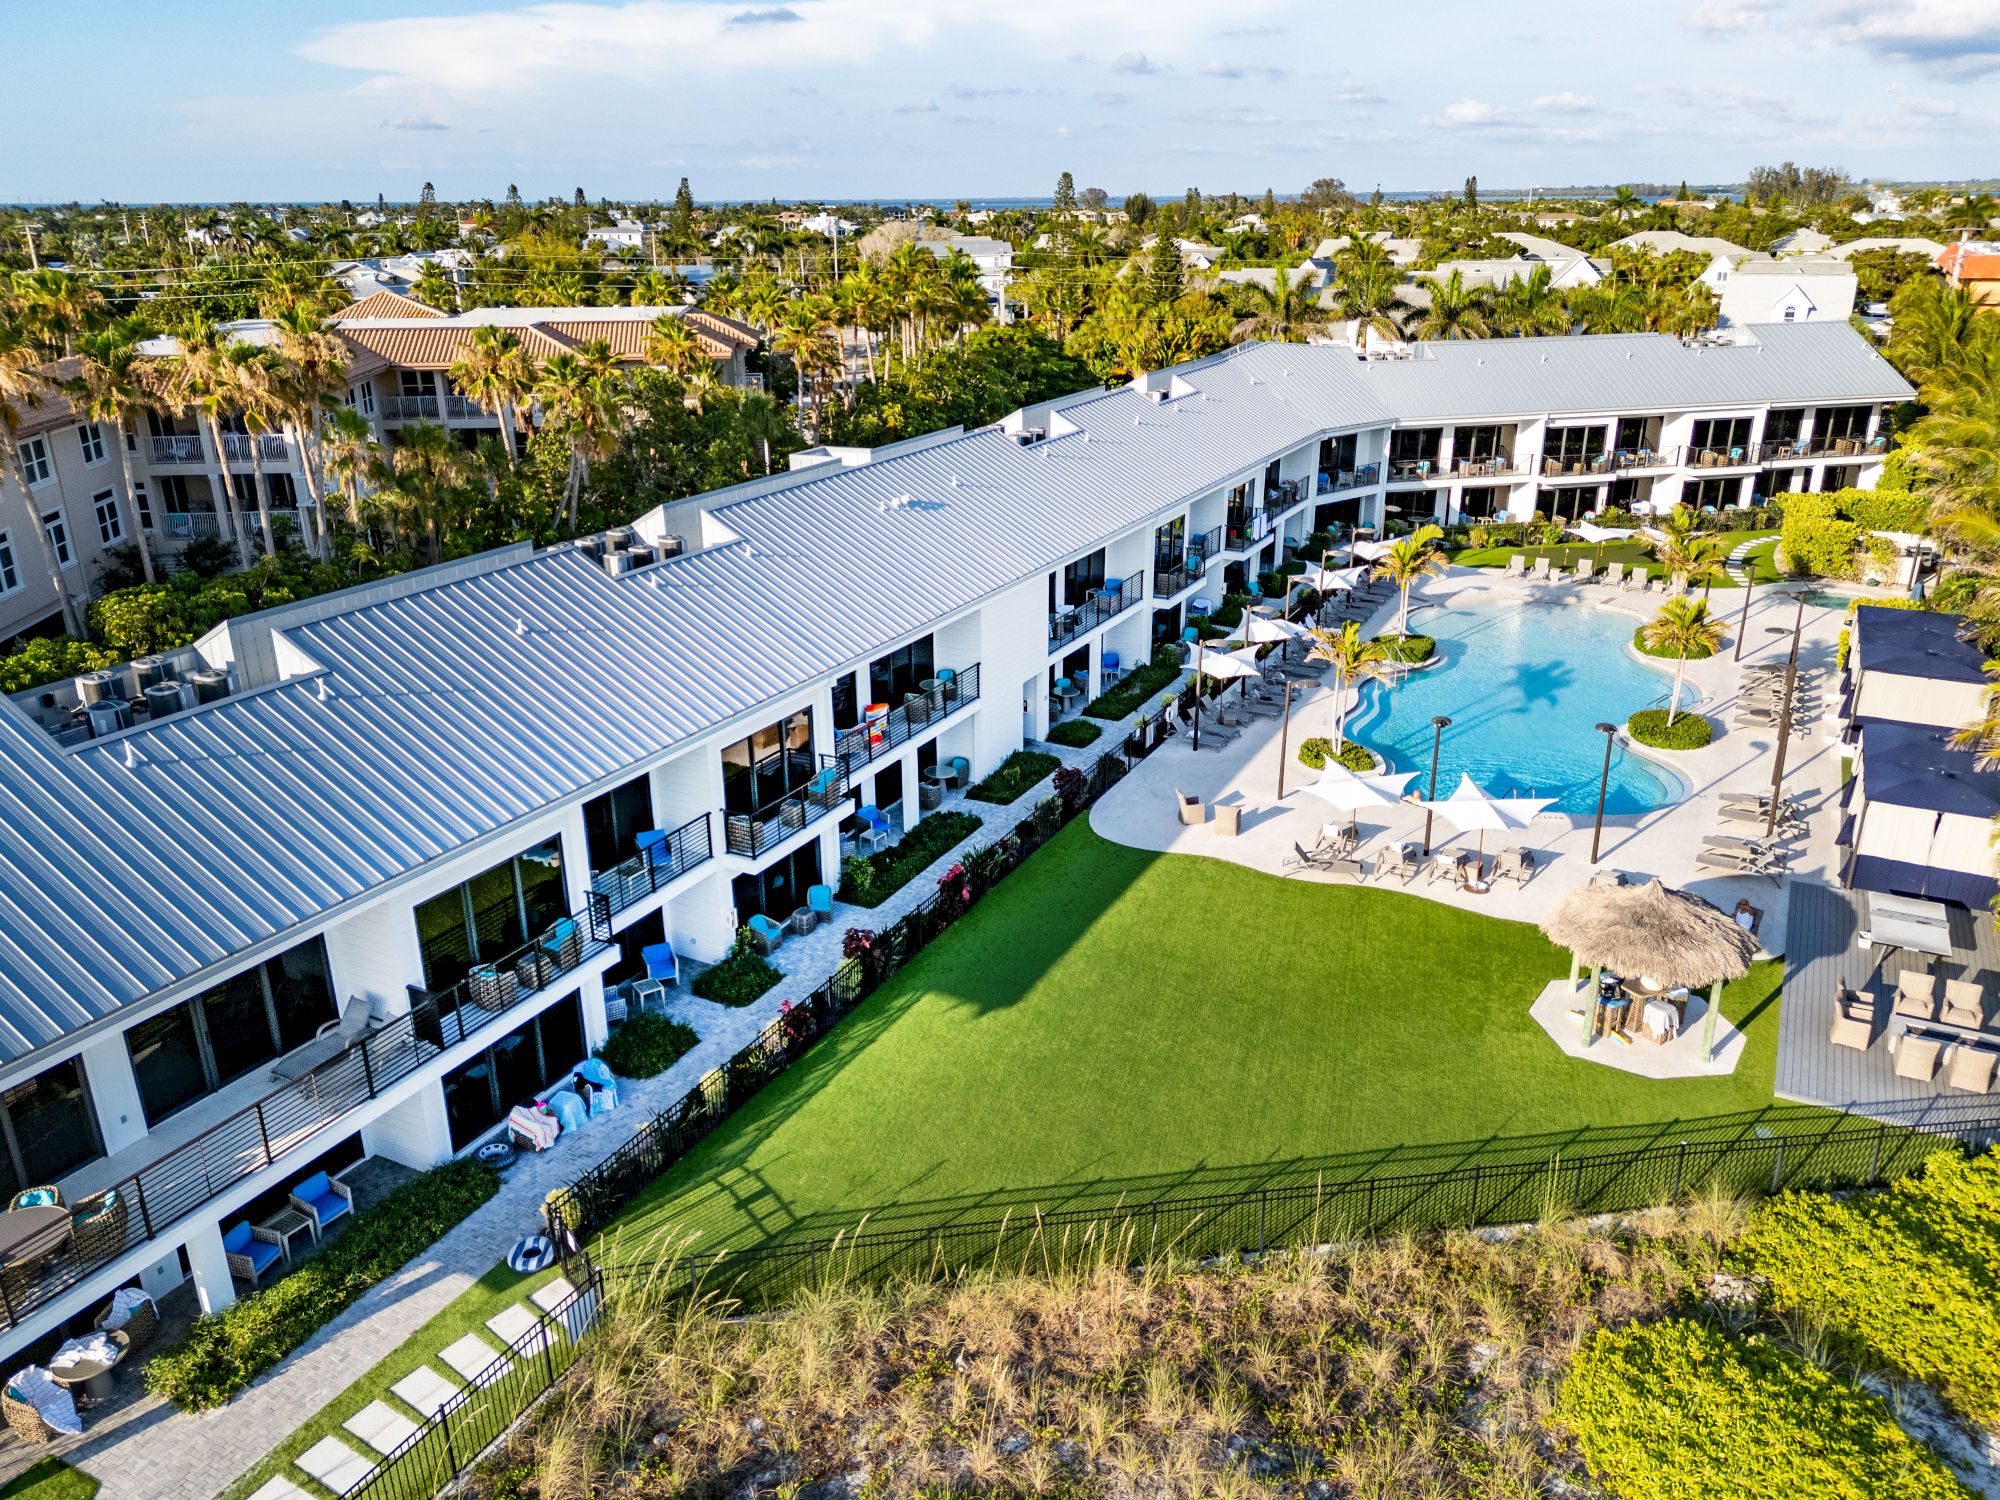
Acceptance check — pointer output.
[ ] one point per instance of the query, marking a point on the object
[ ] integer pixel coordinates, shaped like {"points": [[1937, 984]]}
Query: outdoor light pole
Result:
{"points": [[1743, 624], [1785, 716], [1284, 739], [1440, 724], [1609, 731]]}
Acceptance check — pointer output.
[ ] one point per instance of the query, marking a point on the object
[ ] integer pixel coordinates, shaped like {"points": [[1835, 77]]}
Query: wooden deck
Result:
{"points": [[1819, 953]]}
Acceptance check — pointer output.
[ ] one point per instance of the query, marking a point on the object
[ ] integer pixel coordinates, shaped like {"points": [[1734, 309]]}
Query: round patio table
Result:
{"points": [[93, 1376], [29, 1234]]}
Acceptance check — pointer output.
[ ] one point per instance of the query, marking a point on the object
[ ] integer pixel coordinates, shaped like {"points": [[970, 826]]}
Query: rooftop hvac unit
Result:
{"points": [[619, 563], [151, 669], [108, 717], [1028, 436], [169, 697], [640, 554], [616, 537], [594, 545], [96, 687], [209, 683]]}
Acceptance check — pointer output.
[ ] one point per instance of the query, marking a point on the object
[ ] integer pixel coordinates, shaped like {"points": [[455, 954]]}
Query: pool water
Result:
{"points": [[1525, 686]]}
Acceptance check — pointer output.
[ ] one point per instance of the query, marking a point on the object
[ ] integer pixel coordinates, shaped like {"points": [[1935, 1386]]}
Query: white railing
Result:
{"points": [[410, 408], [270, 447], [177, 448]]}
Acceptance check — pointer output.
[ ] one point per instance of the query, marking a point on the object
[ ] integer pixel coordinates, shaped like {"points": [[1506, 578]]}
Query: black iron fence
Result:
{"points": [[1065, 625], [919, 713], [654, 867], [184, 1179]]}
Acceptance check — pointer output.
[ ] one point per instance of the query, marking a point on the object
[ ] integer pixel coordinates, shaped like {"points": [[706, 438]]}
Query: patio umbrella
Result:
{"points": [[1592, 533], [1260, 630], [1350, 791], [1333, 580], [1471, 809], [1372, 550], [1673, 938]]}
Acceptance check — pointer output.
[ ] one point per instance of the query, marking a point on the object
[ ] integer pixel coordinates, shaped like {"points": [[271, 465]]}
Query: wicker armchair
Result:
{"points": [[26, 1422], [97, 1228], [35, 1197], [139, 1326]]}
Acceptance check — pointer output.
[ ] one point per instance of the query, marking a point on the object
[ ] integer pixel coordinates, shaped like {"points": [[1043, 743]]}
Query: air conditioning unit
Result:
{"points": [[1027, 437], [619, 563]]}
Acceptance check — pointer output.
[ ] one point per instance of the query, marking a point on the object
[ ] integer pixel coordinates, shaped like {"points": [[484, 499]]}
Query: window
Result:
{"points": [[367, 390], [91, 436], [47, 1128], [145, 507], [110, 525], [613, 821], [1791, 313], [894, 677], [190, 1051], [56, 529], [760, 770], [543, 1049], [35, 461], [10, 572], [1836, 422], [1081, 577], [491, 915], [1784, 424], [781, 890], [1572, 450], [415, 382]]}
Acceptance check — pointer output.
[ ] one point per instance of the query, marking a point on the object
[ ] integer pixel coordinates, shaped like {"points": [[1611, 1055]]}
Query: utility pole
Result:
{"points": [[34, 256]]}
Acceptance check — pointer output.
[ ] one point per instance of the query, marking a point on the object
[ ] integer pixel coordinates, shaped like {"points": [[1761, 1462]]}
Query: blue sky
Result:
{"points": [[230, 99]]}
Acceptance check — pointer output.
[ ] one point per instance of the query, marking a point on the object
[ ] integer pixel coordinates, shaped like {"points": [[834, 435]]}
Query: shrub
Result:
{"points": [[1908, 1278], [1313, 752], [1639, 645], [1016, 774], [1816, 540], [1136, 687], [223, 1352], [1664, 1411], [871, 880], [739, 978], [1076, 733], [50, 659], [1408, 648], [1690, 731], [645, 1045]]}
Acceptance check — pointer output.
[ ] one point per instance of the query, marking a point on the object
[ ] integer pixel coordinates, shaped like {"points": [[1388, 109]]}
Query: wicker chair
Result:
{"points": [[97, 1228], [139, 1326], [24, 1419], [35, 1197]]}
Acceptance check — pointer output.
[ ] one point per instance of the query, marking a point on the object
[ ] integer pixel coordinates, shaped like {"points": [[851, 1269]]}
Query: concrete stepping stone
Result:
{"points": [[381, 1427], [335, 1465], [423, 1390], [575, 1318], [552, 1296], [471, 1358], [519, 1329], [279, 1488]]}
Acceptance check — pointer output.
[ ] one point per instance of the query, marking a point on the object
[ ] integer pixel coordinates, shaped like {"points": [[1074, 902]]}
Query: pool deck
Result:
{"points": [[1142, 812]]}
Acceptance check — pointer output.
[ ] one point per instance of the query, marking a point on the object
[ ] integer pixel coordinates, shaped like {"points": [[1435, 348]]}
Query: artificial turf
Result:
{"points": [[49, 1479], [1633, 553], [1111, 1023]]}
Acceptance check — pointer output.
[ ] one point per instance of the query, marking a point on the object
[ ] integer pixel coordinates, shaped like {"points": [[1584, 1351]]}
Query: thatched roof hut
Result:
{"points": [[1671, 937]]}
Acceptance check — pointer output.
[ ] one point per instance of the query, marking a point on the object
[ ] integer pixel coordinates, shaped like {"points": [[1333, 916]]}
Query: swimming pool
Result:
{"points": [[1525, 686]]}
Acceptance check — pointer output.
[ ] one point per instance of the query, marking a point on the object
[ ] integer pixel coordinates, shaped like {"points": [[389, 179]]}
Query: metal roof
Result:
{"points": [[446, 715]]}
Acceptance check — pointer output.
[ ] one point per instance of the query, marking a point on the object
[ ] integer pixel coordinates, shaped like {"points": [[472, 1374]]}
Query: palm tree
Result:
{"points": [[113, 386], [1367, 292], [1529, 306], [310, 374], [1457, 311], [582, 396], [260, 400], [496, 372], [1624, 202], [1286, 310], [673, 346], [811, 348], [1688, 553], [417, 481], [57, 307], [349, 445], [204, 384], [1354, 661], [1682, 629], [22, 385], [1409, 560]]}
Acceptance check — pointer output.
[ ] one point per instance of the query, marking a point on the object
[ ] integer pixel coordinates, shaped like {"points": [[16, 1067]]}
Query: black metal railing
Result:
{"points": [[918, 713], [1207, 545], [1065, 625], [180, 1181], [1334, 480], [751, 833], [654, 867], [1171, 575]]}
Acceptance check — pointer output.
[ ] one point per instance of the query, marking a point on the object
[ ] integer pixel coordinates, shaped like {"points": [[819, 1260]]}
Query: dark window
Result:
{"points": [[1476, 444], [1414, 445], [539, 1052], [1081, 576], [1782, 426], [779, 891], [166, 1060], [846, 710], [491, 915], [894, 677], [613, 821], [1336, 453], [1724, 434], [1633, 433], [49, 1127], [1841, 421], [1170, 544], [1271, 476], [239, 1028], [760, 770], [1573, 449], [1720, 493], [1483, 503]]}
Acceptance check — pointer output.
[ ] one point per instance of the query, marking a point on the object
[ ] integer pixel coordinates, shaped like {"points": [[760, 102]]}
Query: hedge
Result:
{"points": [[872, 879], [1075, 733], [1671, 1411], [1313, 752], [1816, 539], [223, 1352], [646, 1045], [1136, 688], [1690, 731], [1408, 648], [1908, 1279], [1639, 645], [1018, 772], [738, 979]]}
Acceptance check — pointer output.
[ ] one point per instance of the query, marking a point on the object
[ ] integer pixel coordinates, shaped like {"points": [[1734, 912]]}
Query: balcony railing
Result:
{"points": [[1794, 450], [1282, 496], [271, 447], [655, 867], [177, 448], [1117, 596], [140, 1207], [915, 715], [411, 408], [1626, 459], [465, 409], [750, 834], [1492, 466], [1731, 456], [1590, 466], [1173, 573], [1205, 547], [1334, 481]]}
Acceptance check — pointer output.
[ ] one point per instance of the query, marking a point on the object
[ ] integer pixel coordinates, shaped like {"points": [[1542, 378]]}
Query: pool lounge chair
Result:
{"points": [[1516, 566], [1326, 862], [1584, 566], [357, 1019], [1209, 739], [1755, 817], [1515, 864], [1964, 1003], [1614, 574], [1401, 859], [1541, 573], [1742, 862]]}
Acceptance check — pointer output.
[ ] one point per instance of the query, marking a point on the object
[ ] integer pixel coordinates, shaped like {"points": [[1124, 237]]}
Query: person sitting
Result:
{"points": [[1746, 915]]}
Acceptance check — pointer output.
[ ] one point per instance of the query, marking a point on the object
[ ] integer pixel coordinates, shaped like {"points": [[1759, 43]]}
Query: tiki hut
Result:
{"points": [[1646, 932]]}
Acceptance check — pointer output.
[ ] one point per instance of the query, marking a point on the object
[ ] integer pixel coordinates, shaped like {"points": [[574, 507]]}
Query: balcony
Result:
{"points": [[178, 448], [137, 1206], [412, 408], [1735, 456], [1283, 496], [653, 868], [1583, 470], [1173, 572], [1798, 450], [1411, 470], [751, 834], [946, 694], [1492, 466], [1117, 596], [1627, 459], [271, 447]]}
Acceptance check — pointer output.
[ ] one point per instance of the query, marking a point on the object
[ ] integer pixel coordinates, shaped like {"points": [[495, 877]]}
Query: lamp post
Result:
{"points": [[1743, 623], [1440, 724], [1284, 739], [1785, 715], [1609, 731]]}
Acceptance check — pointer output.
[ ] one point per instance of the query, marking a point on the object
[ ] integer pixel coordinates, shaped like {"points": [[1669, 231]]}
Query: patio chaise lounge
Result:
{"points": [[357, 1019], [1514, 864], [1192, 810], [1584, 566], [1964, 1003], [1614, 574], [1541, 573], [1917, 1056], [1402, 859], [1853, 1020], [1743, 862], [1516, 566], [1733, 812], [1327, 862]]}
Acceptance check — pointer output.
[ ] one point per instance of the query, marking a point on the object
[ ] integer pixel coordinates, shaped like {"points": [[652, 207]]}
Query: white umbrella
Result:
{"points": [[1260, 630], [1226, 666], [1333, 580], [1371, 550], [1592, 533], [1350, 791], [1470, 808]]}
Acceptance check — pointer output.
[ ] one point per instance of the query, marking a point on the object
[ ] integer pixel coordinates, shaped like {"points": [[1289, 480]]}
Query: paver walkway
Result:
{"points": [[177, 1455]]}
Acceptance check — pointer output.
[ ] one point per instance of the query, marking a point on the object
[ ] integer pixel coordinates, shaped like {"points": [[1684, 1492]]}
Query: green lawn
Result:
{"points": [[1111, 1023], [1630, 553], [51, 1479], [467, 1313]]}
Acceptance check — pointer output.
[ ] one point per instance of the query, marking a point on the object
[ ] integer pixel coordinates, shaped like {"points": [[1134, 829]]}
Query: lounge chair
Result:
{"points": [[323, 1200], [1917, 1056], [1606, 880], [1192, 810], [1916, 995], [1209, 739], [767, 933], [1221, 733], [1584, 567], [1541, 573], [1755, 817], [1516, 566], [1447, 867], [357, 1019], [1326, 862], [251, 1251], [1971, 1068], [1514, 864], [1402, 860], [1964, 1003], [1614, 574], [1853, 1020], [1740, 861]]}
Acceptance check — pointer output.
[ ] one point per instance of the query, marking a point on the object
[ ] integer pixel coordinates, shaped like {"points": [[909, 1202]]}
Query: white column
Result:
{"points": [[417, 1132], [213, 1285], [114, 1092]]}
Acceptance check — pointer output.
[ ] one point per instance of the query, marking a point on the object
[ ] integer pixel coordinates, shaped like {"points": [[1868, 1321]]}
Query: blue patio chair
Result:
{"points": [[1066, 690], [1110, 663], [1736, 455], [663, 966], [823, 783], [819, 900], [1201, 606], [652, 844], [767, 932], [874, 831], [251, 1252], [961, 770], [949, 679], [1189, 636], [323, 1199]]}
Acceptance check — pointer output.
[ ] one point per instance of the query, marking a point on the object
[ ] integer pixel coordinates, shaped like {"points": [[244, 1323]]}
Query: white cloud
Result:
{"points": [[1566, 103], [1956, 38], [1357, 93], [1473, 113], [1134, 62], [1731, 15], [1242, 70]]}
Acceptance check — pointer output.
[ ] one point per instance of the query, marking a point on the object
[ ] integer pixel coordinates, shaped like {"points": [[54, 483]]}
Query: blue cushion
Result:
{"points": [[36, 1198], [236, 1238], [659, 960], [313, 1187], [261, 1253], [597, 1071], [329, 1207]]}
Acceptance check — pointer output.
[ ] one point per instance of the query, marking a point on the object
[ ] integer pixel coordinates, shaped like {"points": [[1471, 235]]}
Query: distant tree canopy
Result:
{"points": [[995, 371], [1807, 187]]}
